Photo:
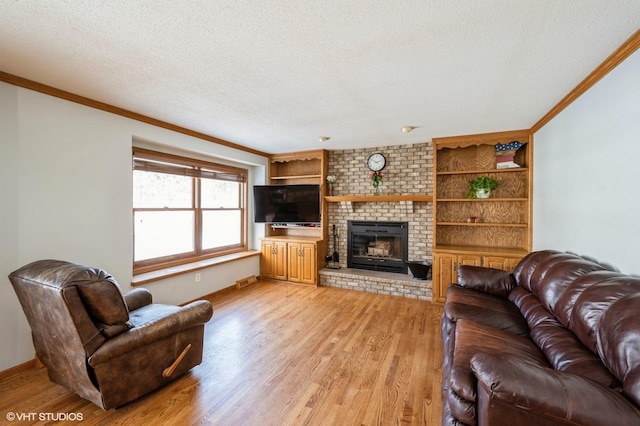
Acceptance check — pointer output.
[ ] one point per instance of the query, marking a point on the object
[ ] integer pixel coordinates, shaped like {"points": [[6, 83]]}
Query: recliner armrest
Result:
{"points": [[488, 280], [137, 298], [545, 393], [191, 315]]}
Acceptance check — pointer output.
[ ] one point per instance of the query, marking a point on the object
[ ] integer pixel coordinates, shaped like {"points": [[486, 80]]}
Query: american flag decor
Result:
{"points": [[505, 153]]}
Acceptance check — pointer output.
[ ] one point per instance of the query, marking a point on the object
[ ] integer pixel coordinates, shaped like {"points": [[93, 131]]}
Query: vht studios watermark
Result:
{"points": [[52, 417]]}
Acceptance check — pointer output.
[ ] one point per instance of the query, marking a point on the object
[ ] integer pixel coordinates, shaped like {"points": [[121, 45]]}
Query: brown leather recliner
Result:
{"points": [[107, 347]]}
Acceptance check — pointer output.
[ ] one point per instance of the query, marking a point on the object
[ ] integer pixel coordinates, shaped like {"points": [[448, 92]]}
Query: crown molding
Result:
{"points": [[72, 97], [615, 59]]}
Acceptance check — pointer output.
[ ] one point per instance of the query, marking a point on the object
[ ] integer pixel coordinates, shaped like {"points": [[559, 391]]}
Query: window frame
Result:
{"points": [[153, 161]]}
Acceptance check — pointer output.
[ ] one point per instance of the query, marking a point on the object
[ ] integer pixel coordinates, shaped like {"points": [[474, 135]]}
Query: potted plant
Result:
{"points": [[481, 187]]}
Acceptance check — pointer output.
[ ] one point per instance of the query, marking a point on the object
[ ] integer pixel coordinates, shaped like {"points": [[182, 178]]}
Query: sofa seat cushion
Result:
{"points": [[564, 351], [482, 308], [472, 338], [516, 390]]}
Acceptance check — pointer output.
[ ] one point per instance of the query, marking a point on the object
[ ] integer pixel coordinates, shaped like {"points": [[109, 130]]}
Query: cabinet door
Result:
{"points": [[469, 259], [497, 262], [280, 261], [273, 262], [513, 262], [500, 262], [308, 268], [267, 260], [444, 266], [302, 263], [294, 261]]}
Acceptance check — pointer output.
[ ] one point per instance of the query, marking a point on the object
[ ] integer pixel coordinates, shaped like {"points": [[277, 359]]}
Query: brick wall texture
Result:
{"points": [[409, 170]]}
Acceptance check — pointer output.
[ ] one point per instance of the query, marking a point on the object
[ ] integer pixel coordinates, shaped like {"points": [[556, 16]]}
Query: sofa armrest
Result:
{"points": [[191, 315], [488, 280], [513, 384], [137, 298]]}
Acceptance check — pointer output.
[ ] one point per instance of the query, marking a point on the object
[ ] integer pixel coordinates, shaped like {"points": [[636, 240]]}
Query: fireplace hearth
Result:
{"points": [[377, 246]]}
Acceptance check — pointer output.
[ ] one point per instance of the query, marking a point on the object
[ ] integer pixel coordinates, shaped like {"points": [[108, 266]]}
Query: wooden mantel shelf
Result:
{"points": [[374, 198], [347, 201]]}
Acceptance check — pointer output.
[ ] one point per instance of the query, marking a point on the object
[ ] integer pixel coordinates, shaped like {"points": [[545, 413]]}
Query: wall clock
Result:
{"points": [[376, 162]]}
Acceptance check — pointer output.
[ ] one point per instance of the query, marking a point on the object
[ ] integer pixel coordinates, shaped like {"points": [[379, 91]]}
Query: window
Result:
{"points": [[185, 210]]}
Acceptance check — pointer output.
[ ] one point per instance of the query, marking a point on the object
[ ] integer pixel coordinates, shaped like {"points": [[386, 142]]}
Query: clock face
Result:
{"points": [[376, 162]]}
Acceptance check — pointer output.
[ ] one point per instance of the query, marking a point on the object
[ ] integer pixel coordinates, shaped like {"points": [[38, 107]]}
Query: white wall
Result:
{"points": [[587, 170], [67, 194]]}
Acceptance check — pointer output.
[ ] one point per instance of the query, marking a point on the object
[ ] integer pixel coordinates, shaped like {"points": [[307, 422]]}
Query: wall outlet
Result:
{"points": [[198, 277]]}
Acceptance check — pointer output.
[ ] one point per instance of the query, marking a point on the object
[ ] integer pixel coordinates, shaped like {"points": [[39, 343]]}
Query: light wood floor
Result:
{"points": [[282, 354]]}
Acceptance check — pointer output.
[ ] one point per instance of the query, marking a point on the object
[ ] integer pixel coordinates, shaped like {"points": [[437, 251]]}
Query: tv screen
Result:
{"points": [[290, 204]]}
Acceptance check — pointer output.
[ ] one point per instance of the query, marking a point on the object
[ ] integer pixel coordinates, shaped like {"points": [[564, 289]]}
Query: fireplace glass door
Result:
{"points": [[378, 246]]}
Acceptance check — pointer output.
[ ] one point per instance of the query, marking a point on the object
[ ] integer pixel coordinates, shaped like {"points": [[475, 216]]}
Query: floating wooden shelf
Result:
{"points": [[479, 200], [483, 172], [296, 177], [473, 249], [374, 198], [347, 201], [505, 225]]}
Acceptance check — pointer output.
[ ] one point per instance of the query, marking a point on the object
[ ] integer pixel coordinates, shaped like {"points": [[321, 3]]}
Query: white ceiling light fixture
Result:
{"points": [[408, 129], [323, 138]]}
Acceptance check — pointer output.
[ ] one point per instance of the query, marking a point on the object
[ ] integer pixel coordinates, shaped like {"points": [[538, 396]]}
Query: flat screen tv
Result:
{"points": [[287, 204]]}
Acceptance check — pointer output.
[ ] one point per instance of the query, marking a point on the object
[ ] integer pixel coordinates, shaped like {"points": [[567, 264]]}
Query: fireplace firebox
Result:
{"points": [[377, 246]]}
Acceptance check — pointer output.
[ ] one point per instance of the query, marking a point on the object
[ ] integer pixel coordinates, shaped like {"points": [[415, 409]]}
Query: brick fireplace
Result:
{"points": [[409, 171]]}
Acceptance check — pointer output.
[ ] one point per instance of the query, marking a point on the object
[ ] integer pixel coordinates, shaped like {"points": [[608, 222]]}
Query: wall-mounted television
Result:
{"points": [[287, 204]]}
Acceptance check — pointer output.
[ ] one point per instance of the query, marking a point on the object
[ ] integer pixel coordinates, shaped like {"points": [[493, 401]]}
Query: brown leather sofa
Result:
{"points": [[107, 347], [557, 342]]}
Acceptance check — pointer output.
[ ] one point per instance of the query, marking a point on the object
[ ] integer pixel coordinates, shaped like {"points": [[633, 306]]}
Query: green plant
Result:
{"points": [[482, 182]]}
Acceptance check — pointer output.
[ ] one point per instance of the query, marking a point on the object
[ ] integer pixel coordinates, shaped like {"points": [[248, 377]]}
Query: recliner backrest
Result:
{"points": [[63, 332]]}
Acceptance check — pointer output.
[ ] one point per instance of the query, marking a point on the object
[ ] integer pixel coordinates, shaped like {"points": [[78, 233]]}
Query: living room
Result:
{"points": [[66, 169]]}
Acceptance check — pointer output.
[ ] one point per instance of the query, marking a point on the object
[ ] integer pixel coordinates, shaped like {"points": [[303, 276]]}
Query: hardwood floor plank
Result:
{"points": [[280, 354]]}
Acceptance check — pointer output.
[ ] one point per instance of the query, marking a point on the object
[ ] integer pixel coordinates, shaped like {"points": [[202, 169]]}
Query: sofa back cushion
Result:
{"points": [[559, 274], [595, 301], [618, 342], [566, 303], [527, 266]]}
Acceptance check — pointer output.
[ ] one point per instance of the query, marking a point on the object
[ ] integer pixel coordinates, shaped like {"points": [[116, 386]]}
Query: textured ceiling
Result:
{"points": [[276, 75]]}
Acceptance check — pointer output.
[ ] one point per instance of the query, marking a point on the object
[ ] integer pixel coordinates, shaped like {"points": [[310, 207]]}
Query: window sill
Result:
{"points": [[172, 271]]}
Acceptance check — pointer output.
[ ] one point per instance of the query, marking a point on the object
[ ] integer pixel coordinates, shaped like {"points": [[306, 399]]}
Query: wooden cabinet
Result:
{"points": [[495, 230], [443, 274], [290, 259], [304, 167], [499, 262], [445, 268]]}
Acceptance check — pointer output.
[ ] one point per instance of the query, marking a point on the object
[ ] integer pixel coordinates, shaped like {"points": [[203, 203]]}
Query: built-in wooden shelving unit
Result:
{"points": [[493, 232]]}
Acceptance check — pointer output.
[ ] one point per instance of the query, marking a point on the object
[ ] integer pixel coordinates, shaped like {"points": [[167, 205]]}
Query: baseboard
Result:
{"points": [[17, 369]]}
